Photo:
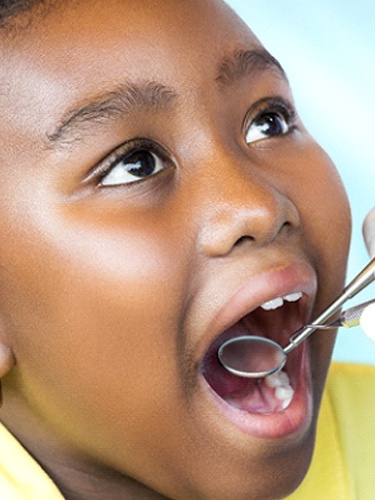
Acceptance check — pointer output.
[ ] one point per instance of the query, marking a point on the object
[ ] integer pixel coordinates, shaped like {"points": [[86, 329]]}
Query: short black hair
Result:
{"points": [[17, 15], [11, 8]]}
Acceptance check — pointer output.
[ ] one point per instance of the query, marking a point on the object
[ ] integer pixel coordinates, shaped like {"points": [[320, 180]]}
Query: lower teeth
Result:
{"points": [[283, 390]]}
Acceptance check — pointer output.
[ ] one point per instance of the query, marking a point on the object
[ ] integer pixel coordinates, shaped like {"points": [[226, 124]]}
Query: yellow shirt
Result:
{"points": [[21, 478], [343, 466]]}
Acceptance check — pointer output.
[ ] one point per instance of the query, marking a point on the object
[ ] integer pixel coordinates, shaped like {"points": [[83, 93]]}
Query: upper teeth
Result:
{"points": [[279, 301]]}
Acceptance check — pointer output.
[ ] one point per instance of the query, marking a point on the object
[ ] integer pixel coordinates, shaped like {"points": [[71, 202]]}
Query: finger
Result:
{"points": [[369, 232], [367, 321]]}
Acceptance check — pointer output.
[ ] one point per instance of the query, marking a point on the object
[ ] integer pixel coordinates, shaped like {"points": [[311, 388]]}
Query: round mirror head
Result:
{"points": [[251, 356]]}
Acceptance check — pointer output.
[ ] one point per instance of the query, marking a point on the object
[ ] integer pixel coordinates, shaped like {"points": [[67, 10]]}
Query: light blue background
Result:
{"points": [[327, 48]]}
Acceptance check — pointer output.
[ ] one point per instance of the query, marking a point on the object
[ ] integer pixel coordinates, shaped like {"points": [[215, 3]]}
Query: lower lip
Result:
{"points": [[293, 420]]}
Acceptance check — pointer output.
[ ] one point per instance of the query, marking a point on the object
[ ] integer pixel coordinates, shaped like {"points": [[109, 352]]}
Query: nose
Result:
{"points": [[243, 205]]}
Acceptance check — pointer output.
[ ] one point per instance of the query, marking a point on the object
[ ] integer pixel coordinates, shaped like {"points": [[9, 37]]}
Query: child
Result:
{"points": [[159, 195]]}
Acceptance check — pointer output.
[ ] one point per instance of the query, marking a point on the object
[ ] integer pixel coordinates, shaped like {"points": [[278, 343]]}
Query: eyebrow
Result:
{"points": [[108, 105], [129, 97], [247, 62]]}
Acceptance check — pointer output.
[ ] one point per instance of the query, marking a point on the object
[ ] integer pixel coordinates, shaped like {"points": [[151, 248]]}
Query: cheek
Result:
{"points": [[94, 306], [97, 333], [304, 173], [326, 231], [309, 178], [326, 215]]}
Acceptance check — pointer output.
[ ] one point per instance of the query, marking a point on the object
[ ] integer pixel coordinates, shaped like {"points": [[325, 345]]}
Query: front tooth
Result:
{"points": [[272, 304], [293, 297]]}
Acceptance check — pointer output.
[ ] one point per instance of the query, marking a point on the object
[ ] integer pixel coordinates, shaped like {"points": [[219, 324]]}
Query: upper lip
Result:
{"points": [[259, 289]]}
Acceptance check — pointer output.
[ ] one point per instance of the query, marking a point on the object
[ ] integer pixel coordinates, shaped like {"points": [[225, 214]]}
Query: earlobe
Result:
{"points": [[7, 361]]}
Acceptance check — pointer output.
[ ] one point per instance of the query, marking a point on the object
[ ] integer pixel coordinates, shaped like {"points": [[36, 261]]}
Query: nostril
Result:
{"points": [[243, 239], [286, 227]]}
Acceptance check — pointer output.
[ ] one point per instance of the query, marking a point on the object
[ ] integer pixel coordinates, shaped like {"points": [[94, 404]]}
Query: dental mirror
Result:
{"points": [[257, 357]]}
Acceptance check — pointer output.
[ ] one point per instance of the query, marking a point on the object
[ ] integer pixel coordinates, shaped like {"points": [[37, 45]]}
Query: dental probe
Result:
{"points": [[257, 357], [364, 278], [349, 318]]}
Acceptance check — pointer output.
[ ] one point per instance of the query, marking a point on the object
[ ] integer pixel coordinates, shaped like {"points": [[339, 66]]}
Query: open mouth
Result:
{"points": [[276, 320]]}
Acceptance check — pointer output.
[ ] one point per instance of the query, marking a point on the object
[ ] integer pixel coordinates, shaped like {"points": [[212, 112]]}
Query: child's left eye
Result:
{"points": [[272, 121]]}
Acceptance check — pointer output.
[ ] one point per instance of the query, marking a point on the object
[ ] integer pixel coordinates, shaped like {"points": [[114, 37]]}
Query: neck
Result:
{"points": [[75, 476]]}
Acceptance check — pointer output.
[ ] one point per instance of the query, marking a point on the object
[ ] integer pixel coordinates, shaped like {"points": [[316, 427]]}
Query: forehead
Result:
{"points": [[81, 51], [138, 35]]}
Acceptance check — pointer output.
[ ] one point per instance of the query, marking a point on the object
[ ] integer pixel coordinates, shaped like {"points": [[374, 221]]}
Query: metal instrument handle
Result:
{"points": [[364, 278]]}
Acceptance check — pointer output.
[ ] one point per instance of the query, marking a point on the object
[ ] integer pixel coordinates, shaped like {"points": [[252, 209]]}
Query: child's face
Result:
{"points": [[156, 187]]}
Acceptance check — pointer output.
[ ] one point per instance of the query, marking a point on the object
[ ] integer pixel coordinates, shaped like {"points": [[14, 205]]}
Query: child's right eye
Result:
{"points": [[132, 167], [134, 161]]}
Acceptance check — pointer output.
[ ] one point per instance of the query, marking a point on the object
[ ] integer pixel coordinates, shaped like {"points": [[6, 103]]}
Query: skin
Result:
{"points": [[107, 292]]}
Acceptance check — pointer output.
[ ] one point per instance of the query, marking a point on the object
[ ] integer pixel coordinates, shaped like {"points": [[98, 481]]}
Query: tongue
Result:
{"points": [[257, 399], [250, 395]]}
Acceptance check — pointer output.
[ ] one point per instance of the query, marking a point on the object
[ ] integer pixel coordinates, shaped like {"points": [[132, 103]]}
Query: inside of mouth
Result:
{"points": [[263, 395]]}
